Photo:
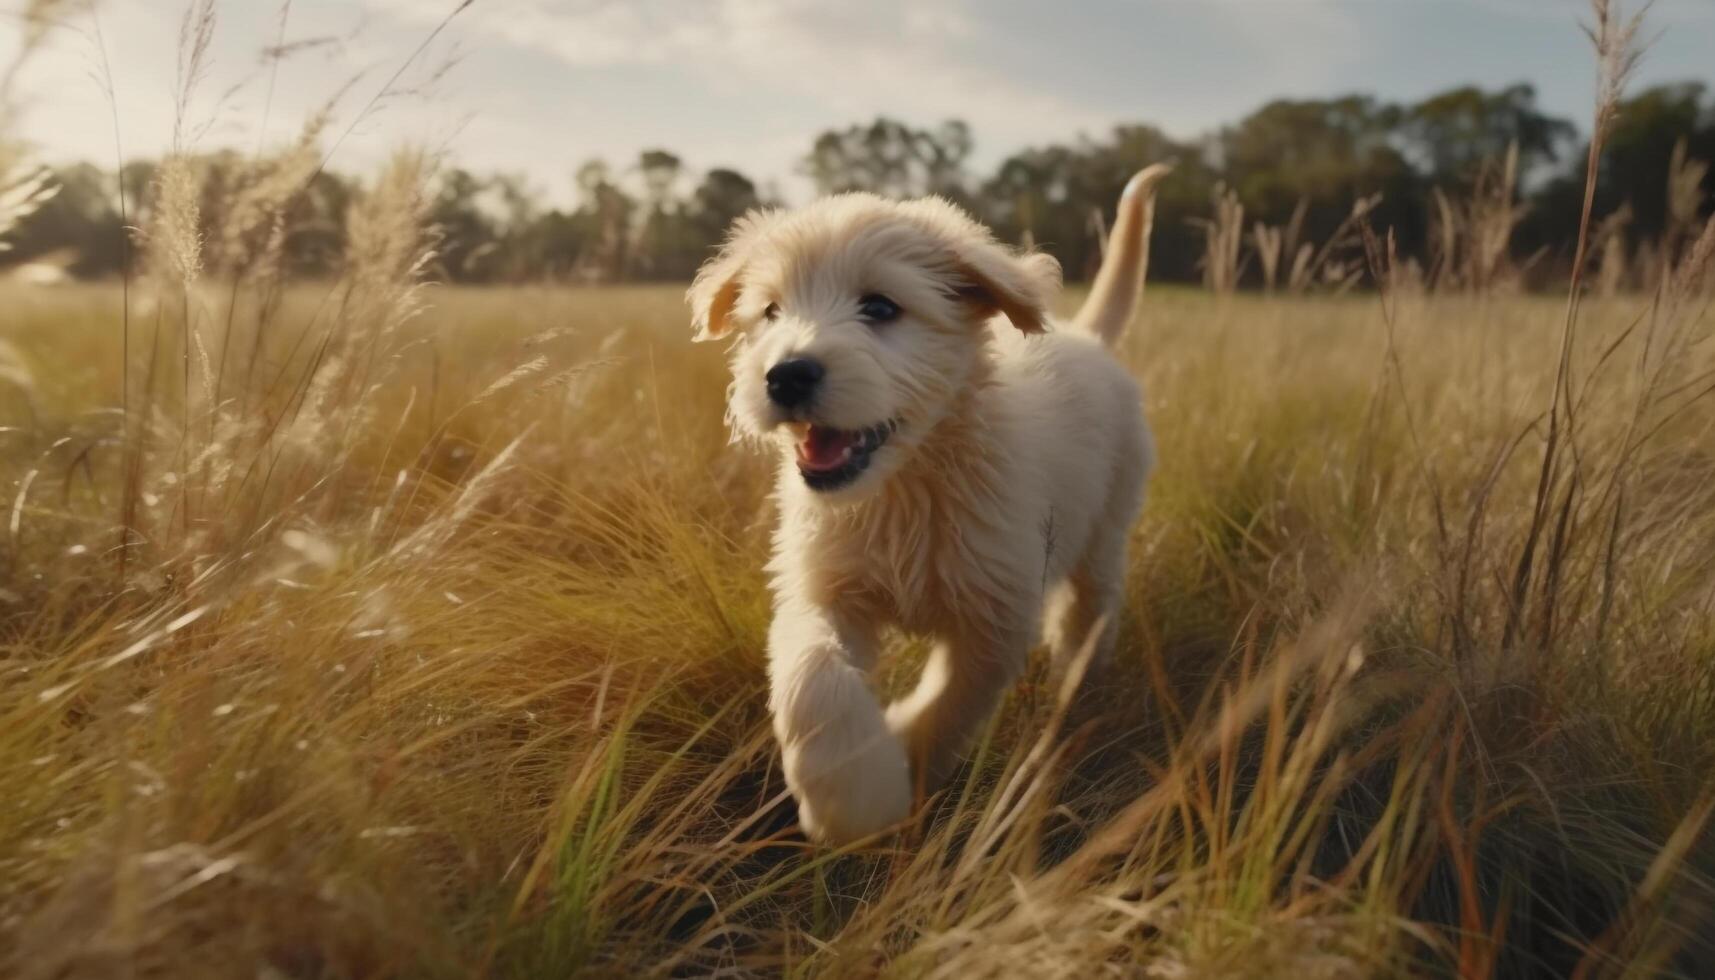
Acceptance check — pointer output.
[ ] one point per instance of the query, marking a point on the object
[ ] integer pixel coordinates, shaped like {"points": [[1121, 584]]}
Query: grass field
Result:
{"points": [[366, 644]]}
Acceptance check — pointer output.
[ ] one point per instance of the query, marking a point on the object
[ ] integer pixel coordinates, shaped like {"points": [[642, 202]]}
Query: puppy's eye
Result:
{"points": [[771, 312], [877, 308]]}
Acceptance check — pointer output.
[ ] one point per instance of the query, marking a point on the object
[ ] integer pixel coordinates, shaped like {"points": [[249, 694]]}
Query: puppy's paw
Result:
{"points": [[850, 784]]}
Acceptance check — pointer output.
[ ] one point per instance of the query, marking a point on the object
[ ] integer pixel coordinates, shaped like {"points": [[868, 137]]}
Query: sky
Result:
{"points": [[535, 87]]}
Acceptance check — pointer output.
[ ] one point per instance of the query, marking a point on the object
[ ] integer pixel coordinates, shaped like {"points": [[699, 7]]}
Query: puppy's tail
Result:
{"points": [[1119, 284]]}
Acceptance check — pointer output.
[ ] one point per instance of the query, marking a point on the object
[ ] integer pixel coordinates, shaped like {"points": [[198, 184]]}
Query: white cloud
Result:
{"points": [[897, 56], [69, 113]]}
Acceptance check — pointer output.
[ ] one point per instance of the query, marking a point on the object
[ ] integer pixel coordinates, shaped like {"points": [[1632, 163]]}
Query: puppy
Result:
{"points": [[951, 462]]}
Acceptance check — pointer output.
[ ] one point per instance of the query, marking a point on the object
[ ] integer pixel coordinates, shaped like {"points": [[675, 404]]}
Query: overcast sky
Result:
{"points": [[540, 85]]}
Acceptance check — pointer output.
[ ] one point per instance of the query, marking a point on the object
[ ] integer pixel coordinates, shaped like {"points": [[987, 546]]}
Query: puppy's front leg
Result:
{"points": [[962, 683], [847, 771]]}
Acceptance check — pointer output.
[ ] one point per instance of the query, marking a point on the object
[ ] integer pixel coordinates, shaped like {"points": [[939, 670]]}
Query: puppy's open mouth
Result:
{"points": [[830, 458]]}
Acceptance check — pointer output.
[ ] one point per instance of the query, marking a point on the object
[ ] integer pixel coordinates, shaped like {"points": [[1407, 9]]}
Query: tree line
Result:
{"points": [[1268, 198]]}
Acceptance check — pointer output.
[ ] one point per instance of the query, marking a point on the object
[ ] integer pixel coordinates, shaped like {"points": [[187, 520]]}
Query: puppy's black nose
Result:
{"points": [[791, 384]]}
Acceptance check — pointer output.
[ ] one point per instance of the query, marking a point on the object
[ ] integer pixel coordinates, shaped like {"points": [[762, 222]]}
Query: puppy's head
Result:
{"points": [[859, 323]]}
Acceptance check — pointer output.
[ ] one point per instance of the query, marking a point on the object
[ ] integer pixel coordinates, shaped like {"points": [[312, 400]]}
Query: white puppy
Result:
{"points": [[950, 462]]}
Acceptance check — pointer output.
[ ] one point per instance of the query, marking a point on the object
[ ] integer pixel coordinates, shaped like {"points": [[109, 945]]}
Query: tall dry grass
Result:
{"points": [[1290, 262], [499, 708], [364, 629], [25, 185], [1223, 241], [1473, 236]]}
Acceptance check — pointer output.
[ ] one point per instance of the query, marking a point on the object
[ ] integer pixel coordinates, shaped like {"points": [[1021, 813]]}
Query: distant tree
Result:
{"points": [[1327, 153], [1050, 197], [138, 178], [665, 248], [722, 197], [468, 235], [83, 226], [1633, 173], [943, 152], [78, 228], [606, 217], [1296, 166], [315, 236], [661, 171], [548, 248], [514, 199], [1641, 147], [891, 158], [1455, 133]]}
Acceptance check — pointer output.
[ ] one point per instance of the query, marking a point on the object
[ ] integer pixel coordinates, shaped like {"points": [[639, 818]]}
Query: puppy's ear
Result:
{"points": [[995, 280], [715, 291]]}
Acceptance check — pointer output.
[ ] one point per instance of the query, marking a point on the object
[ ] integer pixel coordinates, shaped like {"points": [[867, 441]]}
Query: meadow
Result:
{"points": [[371, 629], [352, 626]]}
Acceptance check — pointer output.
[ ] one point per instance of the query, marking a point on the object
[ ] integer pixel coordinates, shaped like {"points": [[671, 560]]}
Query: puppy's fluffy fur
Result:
{"points": [[992, 465]]}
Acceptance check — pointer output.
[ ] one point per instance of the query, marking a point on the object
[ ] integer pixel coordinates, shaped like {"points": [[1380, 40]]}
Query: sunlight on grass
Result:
{"points": [[478, 685], [363, 628]]}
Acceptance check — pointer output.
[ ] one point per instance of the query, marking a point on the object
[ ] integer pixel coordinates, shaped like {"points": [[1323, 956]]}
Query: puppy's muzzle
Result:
{"points": [[793, 384]]}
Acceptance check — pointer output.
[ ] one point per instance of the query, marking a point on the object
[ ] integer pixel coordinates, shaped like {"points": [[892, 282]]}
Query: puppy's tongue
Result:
{"points": [[824, 449]]}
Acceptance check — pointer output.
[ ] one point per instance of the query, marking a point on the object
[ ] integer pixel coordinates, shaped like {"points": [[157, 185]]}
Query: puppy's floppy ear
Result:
{"points": [[715, 291], [996, 280]]}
